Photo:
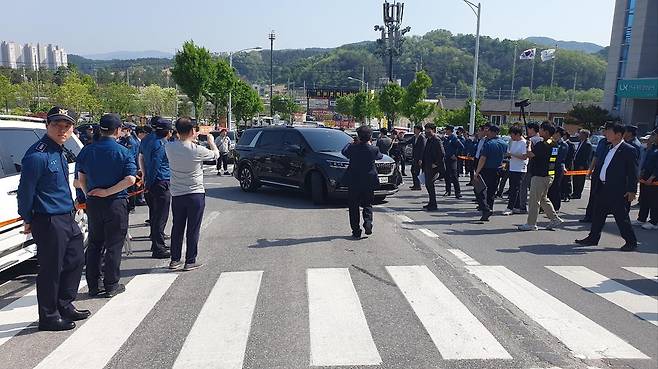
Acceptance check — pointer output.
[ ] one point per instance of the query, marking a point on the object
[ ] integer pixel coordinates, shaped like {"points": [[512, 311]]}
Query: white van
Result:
{"points": [[17, 134]]}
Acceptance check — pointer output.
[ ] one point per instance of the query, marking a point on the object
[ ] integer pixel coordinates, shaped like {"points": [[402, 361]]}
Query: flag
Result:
{"points": [[528, 54], [548, 54]]}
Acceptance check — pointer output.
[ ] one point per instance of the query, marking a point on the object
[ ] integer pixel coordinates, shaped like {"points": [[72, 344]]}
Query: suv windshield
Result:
{"points": [[326, 140]]}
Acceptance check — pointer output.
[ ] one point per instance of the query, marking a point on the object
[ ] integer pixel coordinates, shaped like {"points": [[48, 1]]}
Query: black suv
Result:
{"points": [[307, 159]]}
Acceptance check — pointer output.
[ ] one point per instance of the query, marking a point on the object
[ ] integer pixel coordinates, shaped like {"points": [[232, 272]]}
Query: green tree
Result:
{"points": [[76, 93], [390, 102], [284, 105], [414, 106], [344, 105], [7, 93], [117, 98], [459, 117], [246, 102], [222, 81], [589, 117], [156, 100], [192, 72]]}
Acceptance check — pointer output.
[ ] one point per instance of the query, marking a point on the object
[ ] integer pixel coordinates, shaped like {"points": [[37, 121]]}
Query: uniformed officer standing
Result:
{"points": [[105, 170], [156, 179], [489, 164], [46, 205], [130, 142], [144, 146]]}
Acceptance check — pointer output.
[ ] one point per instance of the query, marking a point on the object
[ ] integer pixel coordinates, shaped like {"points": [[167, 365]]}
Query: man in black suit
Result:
{"points": [[418, 145], [361, 179], [567, 181], [581, 161], [432, 163], [618, 186]]}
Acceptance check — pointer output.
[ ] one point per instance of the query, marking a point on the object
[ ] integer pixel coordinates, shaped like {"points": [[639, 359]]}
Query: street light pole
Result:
{"points": [[477, 10], [272, 36], [230, 104]]}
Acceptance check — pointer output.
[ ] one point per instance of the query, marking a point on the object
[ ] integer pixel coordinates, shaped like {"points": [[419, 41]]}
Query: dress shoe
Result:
{"points": [[446, 194], [415, 188], [368, 230], [458, 196], [95, 292], [628, 247], [425, 206], [55, 325], [161, 255], [587, 242], [356, 235], [75, 314], [120, 288], [432, 208], [585, 220], [485, 216]]}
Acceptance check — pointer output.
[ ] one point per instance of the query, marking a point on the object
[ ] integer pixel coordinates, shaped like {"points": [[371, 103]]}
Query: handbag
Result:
{"points": [[478, 184]]}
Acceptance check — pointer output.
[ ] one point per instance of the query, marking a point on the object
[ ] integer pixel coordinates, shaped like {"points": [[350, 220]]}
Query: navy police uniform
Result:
{"points": [[453, 147], [494, 151], [46, 204], [104, 164], [131, 143]]}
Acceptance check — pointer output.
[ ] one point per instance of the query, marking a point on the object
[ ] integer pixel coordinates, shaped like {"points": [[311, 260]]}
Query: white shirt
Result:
{"points": [[518, 148], [186, 164], [608, 159]]}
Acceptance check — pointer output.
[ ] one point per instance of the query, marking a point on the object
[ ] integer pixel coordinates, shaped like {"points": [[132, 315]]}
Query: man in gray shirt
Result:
{"points": [[188, 194]]}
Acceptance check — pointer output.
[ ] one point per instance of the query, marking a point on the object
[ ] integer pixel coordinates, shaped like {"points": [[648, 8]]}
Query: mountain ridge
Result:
{"points": [[587, 47]]}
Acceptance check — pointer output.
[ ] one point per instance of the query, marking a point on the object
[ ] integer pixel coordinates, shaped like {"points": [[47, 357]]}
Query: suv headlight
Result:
{"points": [[338, 164]]}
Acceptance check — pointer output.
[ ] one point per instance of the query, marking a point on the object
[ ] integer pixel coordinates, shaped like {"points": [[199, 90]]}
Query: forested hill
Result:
{"points": [[447, 58]]}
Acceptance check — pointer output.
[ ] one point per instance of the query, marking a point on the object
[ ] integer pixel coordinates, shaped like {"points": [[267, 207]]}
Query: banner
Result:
{"points": [[528, 54], [548, 54]]}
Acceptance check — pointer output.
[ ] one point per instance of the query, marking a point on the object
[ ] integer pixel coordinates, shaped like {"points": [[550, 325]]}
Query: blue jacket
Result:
{"points": [[650, 164], [452, 145], [106, 163], [494, 150], [132, 144], [155, 161], [44, 183]]}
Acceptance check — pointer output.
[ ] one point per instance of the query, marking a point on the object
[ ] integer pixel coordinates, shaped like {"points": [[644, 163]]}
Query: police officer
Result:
{"points": [[156, 180], [105, 170], [144, 146], [130, 142], [453, 146], [491, 159], [46, 205]]}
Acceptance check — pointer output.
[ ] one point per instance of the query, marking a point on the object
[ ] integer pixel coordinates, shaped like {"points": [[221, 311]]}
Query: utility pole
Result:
{"points": [[511, 102], [477, 10], [272, 37], [391, 39]]}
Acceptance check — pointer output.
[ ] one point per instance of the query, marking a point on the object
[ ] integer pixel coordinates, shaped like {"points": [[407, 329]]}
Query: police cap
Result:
{"points": [[154, 121], [631, 129], [59, 113], [450, 128], [110, 122], [164, 125], [128, 125]]}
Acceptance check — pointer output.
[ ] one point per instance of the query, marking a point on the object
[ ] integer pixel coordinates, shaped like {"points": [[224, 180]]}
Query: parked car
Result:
{"points": [[307, 159], [17, 134]]}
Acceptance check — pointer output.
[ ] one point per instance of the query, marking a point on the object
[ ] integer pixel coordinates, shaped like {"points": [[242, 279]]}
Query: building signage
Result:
{"points": [[640, 88]]}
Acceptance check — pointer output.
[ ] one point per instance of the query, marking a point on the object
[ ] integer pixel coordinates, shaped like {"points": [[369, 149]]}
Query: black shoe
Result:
{"points": [[485, 216], [219, 174], [425, 206], [432, 208], [587, 242], [628, 247], [404, 174], [575, 197], [161, 255], [356, 235], [167, 237], [147, 222], [415, 188], [446, 194], [368, 230], [95, 292], [75, 314], [120, 288], [56, 325], [585, 220], [458, 196]]}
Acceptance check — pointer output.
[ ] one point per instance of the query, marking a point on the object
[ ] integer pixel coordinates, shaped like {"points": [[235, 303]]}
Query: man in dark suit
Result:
{"points": [[384, 143], [432, 163], [453, 146], [618, 186], [581, 161], [567, 181], [361, 179], [418, 145]]}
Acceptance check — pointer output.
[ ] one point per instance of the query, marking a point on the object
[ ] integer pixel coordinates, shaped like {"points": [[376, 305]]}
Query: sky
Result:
{"points": [[88, 27]]}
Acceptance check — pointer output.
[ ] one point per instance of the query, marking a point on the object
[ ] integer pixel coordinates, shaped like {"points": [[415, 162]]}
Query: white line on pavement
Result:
{"points": [[646, 272], [428, 233], [454, 330], [582, 336], [461, 255], [643, 306], [405, 219], [338, 328], [20, 314], [209, 219], [219, 336], [103, 334]]}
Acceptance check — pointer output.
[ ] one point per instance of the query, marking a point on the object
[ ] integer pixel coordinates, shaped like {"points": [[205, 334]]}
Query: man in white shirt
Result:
{"points": [[534, 137], [518, 166]]}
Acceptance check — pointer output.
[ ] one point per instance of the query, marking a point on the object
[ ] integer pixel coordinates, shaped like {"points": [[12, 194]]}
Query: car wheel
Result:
{"points": [[317, 189], [247, 179]]}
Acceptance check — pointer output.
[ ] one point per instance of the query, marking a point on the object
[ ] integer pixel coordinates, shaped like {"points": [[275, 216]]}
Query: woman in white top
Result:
{"points": [[518, 166]]}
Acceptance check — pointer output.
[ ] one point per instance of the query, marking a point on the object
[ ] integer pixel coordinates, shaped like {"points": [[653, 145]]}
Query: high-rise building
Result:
{"points": [[631, 85], [28, 56]]}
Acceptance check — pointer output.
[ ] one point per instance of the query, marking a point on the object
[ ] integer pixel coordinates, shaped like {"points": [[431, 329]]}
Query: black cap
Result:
{"points": [[110, 122], [164, 125], [494, 128], [632, 129], [154, 121], [128, 125], [450, 128], [59, 113]]}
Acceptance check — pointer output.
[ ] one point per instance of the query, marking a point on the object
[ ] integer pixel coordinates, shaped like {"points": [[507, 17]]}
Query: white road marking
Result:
{"points": [[338, 327], [405, 219], [219, 336], [103, 334], [454, 330], [207, 220], [461, 255], [20, 314], [646, 272], [583, 337], [643, 306], [428, 233]]}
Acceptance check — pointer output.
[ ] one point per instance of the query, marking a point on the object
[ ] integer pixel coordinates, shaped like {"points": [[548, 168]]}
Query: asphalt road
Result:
{"points": [[283, 286]]}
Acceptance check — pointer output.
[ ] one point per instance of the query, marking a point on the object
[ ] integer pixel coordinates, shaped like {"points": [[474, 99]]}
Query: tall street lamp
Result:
{"points": [[476, 10], [230, 105], [363, 84], [272, 36]]}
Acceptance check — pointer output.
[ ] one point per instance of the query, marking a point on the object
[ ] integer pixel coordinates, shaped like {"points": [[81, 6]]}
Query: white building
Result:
{"points": [[28, 56]]}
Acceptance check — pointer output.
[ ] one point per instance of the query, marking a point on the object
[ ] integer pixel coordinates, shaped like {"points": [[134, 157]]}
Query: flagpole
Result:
{"points": [[575, 77], [548, 114], [532, 81], [511, 103]]}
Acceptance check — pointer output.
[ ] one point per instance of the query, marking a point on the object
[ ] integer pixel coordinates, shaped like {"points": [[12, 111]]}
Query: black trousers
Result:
{"points": [[431, 175], [502, 181], [614, 204], [186, 210], [108, 226], [357, 199], [470, 169], [514, 186], [555, 191], [160, 202], [578, 186], [567, 187], [222, 161], [487, 197], [648, 204], [60, 254], [591, 203], [460, 167], [415, 171], [452, 178]]}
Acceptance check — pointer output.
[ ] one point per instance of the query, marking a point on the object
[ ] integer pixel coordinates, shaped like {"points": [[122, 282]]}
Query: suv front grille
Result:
{"points": [[385, 168]]}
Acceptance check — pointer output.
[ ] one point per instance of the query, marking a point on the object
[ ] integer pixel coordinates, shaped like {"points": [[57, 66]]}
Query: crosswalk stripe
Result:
{"points": [[582, 336], [428, 233], [338, 328], [103, 334], [641, 305], [454, 330], [20, 314], [219, 336], [405, 219], [646, 272], [461, 255]]}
